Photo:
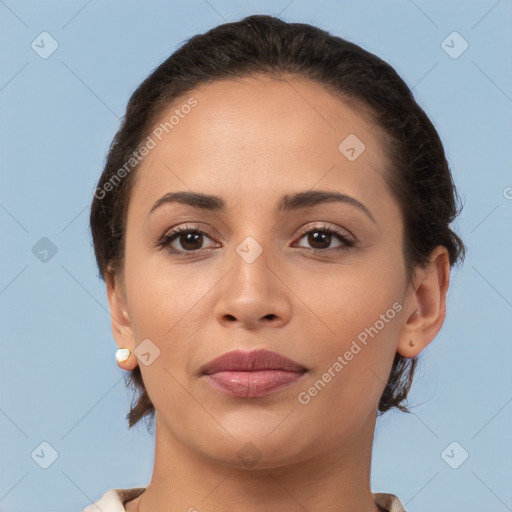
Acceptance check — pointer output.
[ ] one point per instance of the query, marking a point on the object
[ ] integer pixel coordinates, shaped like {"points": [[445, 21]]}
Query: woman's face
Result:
{"points": [[257, 270]]}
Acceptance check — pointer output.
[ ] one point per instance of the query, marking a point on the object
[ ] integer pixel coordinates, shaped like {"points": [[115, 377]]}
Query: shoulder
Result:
{"points": [[388, 501], [113, 500]]}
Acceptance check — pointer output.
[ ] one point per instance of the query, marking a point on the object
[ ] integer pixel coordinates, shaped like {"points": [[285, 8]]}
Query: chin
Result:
{"points": [[254, 446]]}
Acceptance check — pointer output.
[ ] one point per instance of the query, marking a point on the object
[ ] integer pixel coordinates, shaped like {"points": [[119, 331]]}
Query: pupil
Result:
{"points": [[319, 238], [190, 238]]}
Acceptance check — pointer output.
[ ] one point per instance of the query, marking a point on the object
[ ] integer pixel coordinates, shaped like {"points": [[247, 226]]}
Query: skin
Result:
{"points": [[251, 141]]}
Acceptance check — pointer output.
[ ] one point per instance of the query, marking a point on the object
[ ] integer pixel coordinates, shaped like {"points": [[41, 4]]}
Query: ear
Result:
{"points": [[426, 305], [121, 324]]}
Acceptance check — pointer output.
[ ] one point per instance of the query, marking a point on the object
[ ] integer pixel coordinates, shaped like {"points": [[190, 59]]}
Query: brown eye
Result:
{"points": [[320, 238], [187, 240], [190, 241], [183, 239]]}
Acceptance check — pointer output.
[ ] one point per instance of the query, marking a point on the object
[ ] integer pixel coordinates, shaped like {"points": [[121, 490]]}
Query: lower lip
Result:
{"points": [[253, 384]]}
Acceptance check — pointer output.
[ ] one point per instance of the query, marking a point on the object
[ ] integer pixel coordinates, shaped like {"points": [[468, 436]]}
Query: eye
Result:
{"points": [[189, 238], [320, 238]]}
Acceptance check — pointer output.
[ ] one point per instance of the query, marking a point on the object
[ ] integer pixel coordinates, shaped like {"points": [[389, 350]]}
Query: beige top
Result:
{"points": [[114, 499]]}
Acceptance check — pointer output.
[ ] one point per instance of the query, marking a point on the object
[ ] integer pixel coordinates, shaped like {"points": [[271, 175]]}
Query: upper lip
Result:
{"points": [[256, 360]]}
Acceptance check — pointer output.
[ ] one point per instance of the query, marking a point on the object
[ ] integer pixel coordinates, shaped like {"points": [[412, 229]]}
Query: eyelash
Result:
{"points": [[165, 241]]}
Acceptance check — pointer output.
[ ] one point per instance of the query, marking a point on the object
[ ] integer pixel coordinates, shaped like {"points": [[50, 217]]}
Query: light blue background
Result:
{"points": [[59, 380]]}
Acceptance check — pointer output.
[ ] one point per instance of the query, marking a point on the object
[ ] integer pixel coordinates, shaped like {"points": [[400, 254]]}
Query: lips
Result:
{"points": [[252, 374], [257, 360]]}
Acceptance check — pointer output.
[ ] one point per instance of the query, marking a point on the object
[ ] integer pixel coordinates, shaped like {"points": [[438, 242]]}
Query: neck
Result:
{"points": [[335, 480]]}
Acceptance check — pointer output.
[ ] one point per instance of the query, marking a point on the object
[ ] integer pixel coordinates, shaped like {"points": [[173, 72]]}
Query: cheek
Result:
{"points": [[158, 291], [167, 304], [342, 301], [165, 301], [354, 315]]}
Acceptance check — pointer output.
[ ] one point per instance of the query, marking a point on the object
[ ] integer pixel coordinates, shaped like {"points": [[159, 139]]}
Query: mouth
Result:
{"points": [[252, 374]]}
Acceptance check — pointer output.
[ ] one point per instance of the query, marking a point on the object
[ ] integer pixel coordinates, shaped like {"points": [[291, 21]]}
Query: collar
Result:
{"points": [[113, 500]]}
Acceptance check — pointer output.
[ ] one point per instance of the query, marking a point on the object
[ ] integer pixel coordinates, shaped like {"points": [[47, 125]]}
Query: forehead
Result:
{"points": [[259, 136]]}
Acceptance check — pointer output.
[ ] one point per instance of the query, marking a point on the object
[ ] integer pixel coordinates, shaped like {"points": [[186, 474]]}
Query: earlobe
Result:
{"points": [[427, 304], [125, 359], [121, 323]]}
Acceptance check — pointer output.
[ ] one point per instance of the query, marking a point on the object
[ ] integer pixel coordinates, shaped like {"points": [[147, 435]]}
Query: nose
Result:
{"points": [[253, 295]]}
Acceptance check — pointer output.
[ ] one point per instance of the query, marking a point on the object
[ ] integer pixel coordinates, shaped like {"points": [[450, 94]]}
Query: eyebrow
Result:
{"points": [[287, 203]]}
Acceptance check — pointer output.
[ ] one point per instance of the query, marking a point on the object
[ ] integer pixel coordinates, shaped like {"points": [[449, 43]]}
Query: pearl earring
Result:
{"points": [[122, 354]]}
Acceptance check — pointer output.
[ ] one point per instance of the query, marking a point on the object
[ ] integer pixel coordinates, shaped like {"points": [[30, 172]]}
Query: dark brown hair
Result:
{"points": [[418, 172]]}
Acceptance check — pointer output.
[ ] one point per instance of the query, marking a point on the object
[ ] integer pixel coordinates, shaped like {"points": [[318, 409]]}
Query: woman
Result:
{"points": [[272, 225]]}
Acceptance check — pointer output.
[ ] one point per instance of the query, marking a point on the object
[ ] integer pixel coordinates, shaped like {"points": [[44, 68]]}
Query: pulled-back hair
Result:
{"points": [[418, 173]]}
